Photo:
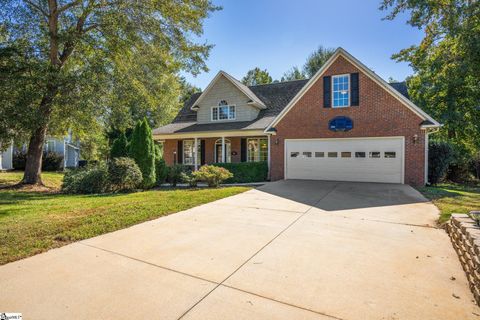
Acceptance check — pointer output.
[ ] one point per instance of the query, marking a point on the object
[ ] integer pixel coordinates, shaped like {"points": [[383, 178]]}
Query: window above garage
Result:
{"points": [[341, 91]]}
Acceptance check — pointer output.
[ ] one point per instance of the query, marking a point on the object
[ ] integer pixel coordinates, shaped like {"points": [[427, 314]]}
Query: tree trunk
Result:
{"points": [[33, 167]]}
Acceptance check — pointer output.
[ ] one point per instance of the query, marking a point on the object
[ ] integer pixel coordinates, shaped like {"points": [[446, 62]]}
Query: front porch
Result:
{"points": [[196, 151]]}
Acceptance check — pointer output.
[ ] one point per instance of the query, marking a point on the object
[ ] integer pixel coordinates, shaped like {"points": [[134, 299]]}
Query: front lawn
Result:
{"points": [[32, 222], [453, 198], [52, 180]]}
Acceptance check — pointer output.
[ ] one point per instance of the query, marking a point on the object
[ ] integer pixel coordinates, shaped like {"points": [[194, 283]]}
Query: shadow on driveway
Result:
{"points": [[334, 195]]}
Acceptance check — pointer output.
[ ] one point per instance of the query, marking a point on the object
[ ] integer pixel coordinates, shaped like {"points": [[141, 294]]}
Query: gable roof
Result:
{"points": [[388, 87], [255, 101], [275, 97]]}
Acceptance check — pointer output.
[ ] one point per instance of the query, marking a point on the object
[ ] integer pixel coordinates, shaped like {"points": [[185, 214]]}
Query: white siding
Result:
{"points": [[223, 89], [6, 158]]}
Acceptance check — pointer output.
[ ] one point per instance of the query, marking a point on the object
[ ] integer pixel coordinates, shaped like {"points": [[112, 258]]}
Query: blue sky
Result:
{"points": [[279, 34]]}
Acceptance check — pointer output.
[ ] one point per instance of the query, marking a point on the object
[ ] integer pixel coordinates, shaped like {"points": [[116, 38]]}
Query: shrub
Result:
{"points": [[124, 174], [440, 156], [245, 172], [212, 175], [476, 165], [19, 160], [142, 150], [161, 171], [86, 180], [52, 161], [175, 173], [459, 170], [119, 147], [189, 178]]}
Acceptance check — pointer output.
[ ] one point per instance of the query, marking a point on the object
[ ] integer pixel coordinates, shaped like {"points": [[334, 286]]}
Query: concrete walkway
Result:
{"points": [[288, 250]]}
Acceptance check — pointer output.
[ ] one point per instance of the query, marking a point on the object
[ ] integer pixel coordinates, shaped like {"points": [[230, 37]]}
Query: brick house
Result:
{"points": [[345, 124]]}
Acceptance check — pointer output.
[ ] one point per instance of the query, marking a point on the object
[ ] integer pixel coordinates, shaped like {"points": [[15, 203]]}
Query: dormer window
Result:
{"points": [[341, 91], [224, 111]]}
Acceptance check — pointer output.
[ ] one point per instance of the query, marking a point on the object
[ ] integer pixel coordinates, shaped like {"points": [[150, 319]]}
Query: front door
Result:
{"points": [[218, 152]]}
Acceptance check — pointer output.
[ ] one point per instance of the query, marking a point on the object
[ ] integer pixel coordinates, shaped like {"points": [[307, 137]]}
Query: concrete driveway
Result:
{"points": [[288, 250]]}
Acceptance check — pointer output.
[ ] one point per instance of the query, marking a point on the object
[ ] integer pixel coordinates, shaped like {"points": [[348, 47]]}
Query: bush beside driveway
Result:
{"points": [[33, 222]]}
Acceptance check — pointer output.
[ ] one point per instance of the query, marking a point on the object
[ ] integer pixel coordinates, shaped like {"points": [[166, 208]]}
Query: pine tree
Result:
{"points": [[119, 147], [142, 150]]}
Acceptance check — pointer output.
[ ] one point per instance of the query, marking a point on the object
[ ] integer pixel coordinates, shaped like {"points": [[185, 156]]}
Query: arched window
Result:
{"points": [[218, 151], [223, 111]]}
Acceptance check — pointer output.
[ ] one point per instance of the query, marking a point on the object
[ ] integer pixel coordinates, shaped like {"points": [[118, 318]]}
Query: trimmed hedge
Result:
{"points": [[245, 172]]}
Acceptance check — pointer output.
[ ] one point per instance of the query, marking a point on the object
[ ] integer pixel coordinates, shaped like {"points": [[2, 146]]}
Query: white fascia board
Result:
{"points": [[210, 134], [341, 52], [243, 88]]}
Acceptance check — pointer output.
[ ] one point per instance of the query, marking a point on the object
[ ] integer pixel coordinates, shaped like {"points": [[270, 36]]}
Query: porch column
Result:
{"points": [[195, 154], [223, 150]]}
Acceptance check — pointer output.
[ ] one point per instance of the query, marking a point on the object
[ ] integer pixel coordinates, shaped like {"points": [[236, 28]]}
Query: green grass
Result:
{"points": [[33, 222], [453, 198], [50, 179]]}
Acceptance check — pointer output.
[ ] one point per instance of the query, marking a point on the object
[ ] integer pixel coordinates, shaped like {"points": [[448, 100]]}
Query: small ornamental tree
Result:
{"points": [[142, 150], [119, 147]]}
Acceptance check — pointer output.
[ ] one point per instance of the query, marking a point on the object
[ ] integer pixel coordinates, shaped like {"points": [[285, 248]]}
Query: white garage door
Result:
{"points": [[365, 159]]}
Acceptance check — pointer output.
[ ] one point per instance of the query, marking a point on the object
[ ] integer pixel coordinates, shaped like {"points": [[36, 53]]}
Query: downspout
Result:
{"points": [[427, 139]]}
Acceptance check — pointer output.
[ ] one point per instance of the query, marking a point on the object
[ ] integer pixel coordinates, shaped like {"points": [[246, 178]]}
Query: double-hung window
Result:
{"points": [[223, 111], [341, 91], [188, 152], [257, 149]]}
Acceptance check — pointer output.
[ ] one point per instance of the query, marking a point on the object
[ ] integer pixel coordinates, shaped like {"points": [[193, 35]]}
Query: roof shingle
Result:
{"points": [[275, 96]]}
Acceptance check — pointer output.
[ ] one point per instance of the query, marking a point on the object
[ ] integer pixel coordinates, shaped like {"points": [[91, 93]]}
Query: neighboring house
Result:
{"points": [[345, 123], [66, 147], [6, 158]]}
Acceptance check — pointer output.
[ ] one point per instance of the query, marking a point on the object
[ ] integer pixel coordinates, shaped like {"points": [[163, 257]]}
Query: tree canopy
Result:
{"points": [[313, 63], [446, 64], [257, 76], [68, 64]]}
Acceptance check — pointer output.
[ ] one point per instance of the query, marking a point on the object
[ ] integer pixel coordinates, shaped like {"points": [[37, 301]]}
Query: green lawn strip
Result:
{"points": [[453, 198], [34, 222], [50, 179]]}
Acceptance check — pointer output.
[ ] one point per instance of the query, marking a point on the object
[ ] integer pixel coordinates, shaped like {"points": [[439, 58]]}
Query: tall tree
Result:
{"points": [[316, 60], [293, 74], [446, 64], [119, 147], [142, 150], [257, 76], [313, 63], [68, 63]]}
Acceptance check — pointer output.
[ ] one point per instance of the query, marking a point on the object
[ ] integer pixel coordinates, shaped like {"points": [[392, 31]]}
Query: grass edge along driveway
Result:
{"points": [[452, 198], [33, 222]]}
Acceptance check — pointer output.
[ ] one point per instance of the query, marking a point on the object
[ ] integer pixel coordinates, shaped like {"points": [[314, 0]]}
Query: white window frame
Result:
{"points": [[349, 90], [194, 153], [259, 149], [228, 113]]}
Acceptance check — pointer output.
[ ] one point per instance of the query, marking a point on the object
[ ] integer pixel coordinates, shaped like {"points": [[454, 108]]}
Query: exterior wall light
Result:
{"points": [[415, 138]]}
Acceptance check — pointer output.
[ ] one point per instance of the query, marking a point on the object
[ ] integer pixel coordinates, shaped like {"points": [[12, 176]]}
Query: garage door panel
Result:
{"points": [[367, 169]]}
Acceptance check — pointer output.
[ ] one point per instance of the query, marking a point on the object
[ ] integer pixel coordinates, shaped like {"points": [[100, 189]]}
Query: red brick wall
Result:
{"points": [[379, 114], [170, 146]]}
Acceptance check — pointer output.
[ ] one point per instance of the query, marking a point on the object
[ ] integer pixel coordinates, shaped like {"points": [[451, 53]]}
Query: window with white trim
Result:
{"points": [[188, 152], [224, 111], [257, 149], [341, 91]]}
